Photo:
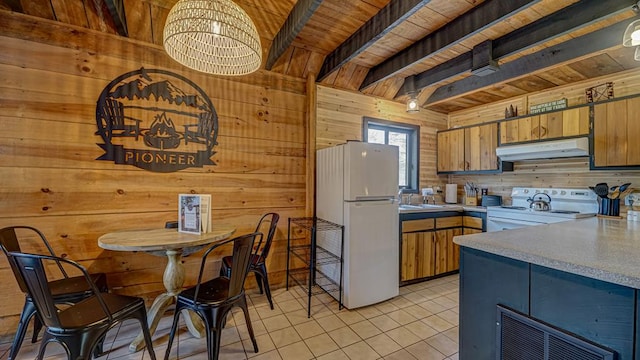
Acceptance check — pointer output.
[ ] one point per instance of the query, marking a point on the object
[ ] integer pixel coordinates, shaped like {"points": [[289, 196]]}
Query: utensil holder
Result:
{"points": [[609, 207]]}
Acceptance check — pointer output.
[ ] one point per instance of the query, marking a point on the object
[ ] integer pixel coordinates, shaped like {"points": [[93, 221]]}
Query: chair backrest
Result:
{"points": [[269, 220], [242, 248], [9, 243], [31, 270]]}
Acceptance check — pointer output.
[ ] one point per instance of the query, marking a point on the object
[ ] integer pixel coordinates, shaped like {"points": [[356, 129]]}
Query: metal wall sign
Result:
{"points": [[156, 120], [548, 106]]}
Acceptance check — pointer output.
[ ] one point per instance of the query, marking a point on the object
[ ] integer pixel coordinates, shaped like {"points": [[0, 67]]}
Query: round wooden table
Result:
{"points": [[173, 245]]}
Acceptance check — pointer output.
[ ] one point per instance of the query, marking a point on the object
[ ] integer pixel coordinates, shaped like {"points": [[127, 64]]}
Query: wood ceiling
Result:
{"points": [[374, 46]]}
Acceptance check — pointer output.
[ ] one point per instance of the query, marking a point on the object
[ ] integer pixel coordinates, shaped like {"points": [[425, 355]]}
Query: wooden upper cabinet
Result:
{"points": [[480, 144], [571, 122], [451, 150], [575, 121], [518, 130], [616, 130], [468, 149]]}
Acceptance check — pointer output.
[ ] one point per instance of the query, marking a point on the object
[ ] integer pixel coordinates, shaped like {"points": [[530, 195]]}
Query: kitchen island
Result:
{"points": [[581, 277]]}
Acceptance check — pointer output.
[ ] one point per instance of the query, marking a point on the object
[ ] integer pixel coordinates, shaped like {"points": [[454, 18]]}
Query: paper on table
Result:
{"points": [[194, 213], [205, 211]]}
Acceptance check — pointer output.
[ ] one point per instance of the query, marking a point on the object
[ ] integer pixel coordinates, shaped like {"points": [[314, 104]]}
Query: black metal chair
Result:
{"points": [[66, 290], [212, 300], [83, 325], [258, 258]]}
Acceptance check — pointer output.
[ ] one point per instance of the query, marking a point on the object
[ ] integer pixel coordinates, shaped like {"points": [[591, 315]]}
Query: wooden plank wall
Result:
{"points": [[51, 75], [340, 114], [548, 173]]}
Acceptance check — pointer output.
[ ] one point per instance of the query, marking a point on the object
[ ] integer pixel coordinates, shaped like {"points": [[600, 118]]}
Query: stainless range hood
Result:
{"points": [[545, 149]]}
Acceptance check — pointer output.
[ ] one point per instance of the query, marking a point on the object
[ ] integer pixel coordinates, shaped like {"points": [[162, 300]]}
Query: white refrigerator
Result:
{"points": [[356, 186]]}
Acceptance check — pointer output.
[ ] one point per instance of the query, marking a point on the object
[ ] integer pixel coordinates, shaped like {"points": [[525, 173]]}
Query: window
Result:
{"points": [[405, 137]]}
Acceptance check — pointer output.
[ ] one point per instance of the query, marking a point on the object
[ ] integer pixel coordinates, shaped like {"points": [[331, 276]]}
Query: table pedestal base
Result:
{"points": [[173, 280], [159, 307]]}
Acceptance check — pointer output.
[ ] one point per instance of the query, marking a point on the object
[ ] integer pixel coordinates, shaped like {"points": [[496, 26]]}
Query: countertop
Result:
{"points": [[603, 249], [440, 207]]}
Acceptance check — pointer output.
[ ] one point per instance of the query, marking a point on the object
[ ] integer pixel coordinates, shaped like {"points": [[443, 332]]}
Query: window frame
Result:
{"points": [[413, 146]]}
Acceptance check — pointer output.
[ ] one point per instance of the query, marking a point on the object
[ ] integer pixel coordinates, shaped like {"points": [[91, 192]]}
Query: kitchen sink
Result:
{"points": [[421, 206]]}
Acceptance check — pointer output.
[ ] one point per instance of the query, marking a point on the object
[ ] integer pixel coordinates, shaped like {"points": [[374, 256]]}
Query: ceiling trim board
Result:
{"points": [[373, 30], [295, 22]]}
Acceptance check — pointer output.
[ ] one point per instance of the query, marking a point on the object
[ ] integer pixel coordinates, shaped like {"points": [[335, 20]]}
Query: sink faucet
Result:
{"points": [[409, 199], [400, 196]]}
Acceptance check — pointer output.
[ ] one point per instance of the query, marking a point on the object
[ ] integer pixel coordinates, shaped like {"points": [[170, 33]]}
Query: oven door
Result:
{"points": [[499, 223]]}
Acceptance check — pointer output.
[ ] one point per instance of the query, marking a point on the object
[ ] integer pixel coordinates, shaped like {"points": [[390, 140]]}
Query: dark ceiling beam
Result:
{"points": [[564, 21], [548, 28], [14, 5], [596, 41], [116, 10], [468, 24], [390, 16], [297, 19]]}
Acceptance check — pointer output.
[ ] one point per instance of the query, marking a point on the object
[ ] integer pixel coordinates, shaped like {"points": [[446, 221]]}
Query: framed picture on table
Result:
{"points": [[194, 213]]}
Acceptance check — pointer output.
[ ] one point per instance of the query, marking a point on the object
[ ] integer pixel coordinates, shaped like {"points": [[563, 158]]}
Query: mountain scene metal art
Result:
{"points": [[156, 120]]}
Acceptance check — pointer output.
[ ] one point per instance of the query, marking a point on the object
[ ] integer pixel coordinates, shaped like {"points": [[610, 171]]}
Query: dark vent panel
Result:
{"points": [[520, 337]]}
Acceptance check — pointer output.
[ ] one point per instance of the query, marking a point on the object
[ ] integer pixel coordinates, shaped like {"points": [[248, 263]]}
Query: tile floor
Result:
{"points": [[420, 323]]}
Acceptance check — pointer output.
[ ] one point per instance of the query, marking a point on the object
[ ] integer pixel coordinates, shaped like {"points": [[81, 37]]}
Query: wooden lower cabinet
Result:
{"points": [[447, 253], [417, 259], [432, 251]]}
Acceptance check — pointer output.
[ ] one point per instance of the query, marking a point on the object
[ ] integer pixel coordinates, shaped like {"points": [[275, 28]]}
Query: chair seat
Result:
{"points": [[75, 288], [211, 292], [88, 312]]}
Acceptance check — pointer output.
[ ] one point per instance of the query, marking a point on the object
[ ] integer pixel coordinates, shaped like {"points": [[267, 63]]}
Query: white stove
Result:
{"points": [[565, 205]]}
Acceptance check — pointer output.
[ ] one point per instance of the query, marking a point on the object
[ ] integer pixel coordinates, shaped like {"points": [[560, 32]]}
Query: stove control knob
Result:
{"points": [[553, 192], [526, 191], [563, 192]]}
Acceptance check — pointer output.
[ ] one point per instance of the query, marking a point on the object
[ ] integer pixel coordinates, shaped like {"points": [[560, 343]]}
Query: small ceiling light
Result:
{"points": [[631, 35], [410, 88], [412, 103], [213, 36]]}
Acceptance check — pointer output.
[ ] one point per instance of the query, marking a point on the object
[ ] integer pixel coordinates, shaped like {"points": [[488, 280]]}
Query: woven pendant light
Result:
{"points": [[212, 36]]}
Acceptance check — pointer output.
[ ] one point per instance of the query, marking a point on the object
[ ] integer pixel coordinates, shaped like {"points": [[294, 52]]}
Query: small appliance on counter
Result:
{"points": [[491, 200]]}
